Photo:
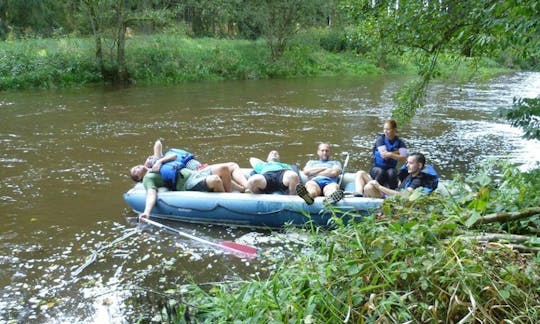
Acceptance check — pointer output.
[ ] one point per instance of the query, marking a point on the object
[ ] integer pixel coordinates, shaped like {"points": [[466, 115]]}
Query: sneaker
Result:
{"points": [[303, 193], [334, 197]]}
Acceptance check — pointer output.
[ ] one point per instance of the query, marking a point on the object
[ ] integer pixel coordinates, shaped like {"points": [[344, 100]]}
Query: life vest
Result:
{"points": [[390, 147], [169, 170], [430, 180]]}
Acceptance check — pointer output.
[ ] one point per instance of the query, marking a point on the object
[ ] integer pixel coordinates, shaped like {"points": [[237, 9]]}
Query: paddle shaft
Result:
{"points": [[343, 171], [172, 229], [231, 246]]}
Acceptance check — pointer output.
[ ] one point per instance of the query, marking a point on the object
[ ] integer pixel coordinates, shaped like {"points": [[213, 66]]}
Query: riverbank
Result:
{"points": [[172, 59]]}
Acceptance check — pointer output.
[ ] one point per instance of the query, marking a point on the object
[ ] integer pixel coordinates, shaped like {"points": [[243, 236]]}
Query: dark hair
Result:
{"points": [[420, 158]]}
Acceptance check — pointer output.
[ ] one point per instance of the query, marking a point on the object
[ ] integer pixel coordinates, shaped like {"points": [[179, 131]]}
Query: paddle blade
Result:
{"points": [[240, 248]]}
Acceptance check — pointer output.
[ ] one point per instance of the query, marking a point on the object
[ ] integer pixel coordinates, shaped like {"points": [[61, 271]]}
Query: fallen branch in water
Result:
{"points": [[507, 216]]}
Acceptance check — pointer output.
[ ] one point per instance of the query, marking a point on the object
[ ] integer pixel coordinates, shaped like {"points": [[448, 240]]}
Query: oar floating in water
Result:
{"points": [[235, 248]]}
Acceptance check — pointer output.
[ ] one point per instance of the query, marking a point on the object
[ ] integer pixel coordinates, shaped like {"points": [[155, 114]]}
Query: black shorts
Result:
{"points": [[274, 181]]}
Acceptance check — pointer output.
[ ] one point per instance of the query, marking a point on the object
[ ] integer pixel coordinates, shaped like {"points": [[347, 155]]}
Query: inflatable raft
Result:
{"points": [[251, 210]]}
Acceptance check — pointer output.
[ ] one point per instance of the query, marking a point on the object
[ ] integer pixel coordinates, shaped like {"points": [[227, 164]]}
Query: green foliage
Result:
{"points": [[525, 115], [46, 63], [411, 265], [166, 59]]}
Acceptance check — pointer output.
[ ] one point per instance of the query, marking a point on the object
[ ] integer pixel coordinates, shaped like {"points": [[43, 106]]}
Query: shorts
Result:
{"points": [[197, 181], [323, 181], [274, 181]]}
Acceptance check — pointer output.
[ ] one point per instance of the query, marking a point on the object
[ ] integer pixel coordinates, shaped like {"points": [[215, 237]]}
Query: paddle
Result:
{"points": [[344, 166], [229, 246]]}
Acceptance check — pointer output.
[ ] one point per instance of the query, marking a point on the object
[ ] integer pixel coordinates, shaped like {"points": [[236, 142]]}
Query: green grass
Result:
{"points": [[174, 58]]}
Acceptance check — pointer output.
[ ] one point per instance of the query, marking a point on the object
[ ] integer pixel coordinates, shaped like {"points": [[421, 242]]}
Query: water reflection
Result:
{"points": [[65, 154]]}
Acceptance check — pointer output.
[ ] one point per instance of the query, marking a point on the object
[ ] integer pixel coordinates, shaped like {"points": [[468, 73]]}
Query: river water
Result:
{"points": [[71, 250]]}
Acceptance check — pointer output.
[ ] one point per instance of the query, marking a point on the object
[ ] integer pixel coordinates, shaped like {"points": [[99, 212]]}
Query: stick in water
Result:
{"points": [[229, 246]]}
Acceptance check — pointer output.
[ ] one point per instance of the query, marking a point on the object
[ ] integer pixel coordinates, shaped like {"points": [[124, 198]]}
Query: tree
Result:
{"points": [[279, 20], [109, 19], [431, 27]]}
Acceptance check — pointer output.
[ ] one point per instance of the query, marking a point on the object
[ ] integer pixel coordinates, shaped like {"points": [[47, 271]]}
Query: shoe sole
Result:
{"points": [[335, 197], [303, 193]]}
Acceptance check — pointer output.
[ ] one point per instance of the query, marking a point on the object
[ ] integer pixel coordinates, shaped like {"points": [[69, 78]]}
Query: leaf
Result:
{"points": [[475, 216]]}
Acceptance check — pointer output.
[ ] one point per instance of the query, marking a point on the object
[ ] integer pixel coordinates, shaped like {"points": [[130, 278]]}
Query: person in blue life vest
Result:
{"points": [[155, 161], [322, 178], [388, 150], [414, 175], [272, 176], [174, 176]]}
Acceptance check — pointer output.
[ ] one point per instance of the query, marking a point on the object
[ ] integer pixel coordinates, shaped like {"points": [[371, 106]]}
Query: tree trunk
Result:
{"points": [[122, 76], [96, 30]]}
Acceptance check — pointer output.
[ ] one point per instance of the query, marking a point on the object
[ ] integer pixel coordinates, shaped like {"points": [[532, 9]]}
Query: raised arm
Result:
{"points": [[158, 149]]}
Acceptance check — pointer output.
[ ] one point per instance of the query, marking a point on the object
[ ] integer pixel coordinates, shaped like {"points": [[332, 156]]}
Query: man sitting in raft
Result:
{"points": [[322, 178], [272, 175], [416, 174], [239, 182]]}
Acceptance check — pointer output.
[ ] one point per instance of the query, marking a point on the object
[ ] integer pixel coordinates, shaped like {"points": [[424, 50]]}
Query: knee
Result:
{"points": [[232, 166], [213, 180]]}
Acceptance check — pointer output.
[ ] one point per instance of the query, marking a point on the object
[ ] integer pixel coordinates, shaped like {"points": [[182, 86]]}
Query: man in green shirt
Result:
{"points": [[210, 179], [272, 175]]}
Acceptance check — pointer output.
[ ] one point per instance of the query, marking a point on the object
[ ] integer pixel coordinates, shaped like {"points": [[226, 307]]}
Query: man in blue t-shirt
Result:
{"points": [[272, 176], [322, 178]]}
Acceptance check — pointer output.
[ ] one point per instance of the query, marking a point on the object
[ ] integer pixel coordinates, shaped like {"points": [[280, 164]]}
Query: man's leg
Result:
{"points": [[332, 193], [360, 180], [290, 180], [239, 181], [256, 183], [214, 183], [222, 171]]}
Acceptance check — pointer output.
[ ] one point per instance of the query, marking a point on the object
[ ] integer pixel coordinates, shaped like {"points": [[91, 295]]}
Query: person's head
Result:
{"points": [[137, 172], [415, 163], [323, 151], [273, 156], [390, 128]]}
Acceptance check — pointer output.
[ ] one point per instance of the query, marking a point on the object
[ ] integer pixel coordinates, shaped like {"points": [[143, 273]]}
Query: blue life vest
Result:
{"points": [[169, 170], [390, 147], [430, 180]]}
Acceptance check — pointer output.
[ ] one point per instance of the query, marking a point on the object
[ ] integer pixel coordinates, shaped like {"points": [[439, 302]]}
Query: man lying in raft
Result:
{"points": [[239, 181], [414, 174], [272, 176]]}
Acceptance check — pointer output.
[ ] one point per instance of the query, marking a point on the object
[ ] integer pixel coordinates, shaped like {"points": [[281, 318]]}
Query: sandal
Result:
{"points": [[303, 193]]}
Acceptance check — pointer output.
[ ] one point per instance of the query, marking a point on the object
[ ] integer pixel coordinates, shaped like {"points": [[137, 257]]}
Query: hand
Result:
{"points": [[156, 166], [143, 216]]}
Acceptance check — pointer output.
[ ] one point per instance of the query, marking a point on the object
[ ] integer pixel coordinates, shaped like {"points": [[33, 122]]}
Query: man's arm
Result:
{"points": [[165, 159], [151, 197]]}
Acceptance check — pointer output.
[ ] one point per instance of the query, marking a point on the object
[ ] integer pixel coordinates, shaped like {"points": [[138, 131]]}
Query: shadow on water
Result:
{"points": [[65, 154]]}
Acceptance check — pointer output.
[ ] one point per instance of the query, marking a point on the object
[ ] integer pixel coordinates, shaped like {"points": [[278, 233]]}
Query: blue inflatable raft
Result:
{"points": [[251, 210]]}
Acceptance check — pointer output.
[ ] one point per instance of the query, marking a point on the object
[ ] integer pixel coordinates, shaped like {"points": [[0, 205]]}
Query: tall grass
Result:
{"points": [[410, 265]]}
